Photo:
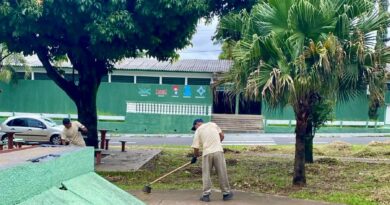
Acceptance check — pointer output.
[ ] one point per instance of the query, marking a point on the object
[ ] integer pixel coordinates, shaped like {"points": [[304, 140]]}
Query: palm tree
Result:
{"points": [[298, 52]]}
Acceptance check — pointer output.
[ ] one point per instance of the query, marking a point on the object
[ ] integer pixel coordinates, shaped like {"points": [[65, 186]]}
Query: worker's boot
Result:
{"points": [[227, 197], [205, 198]]}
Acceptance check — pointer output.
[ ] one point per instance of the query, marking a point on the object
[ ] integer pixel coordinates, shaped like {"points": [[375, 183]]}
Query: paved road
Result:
{"points": [[250, 139]]}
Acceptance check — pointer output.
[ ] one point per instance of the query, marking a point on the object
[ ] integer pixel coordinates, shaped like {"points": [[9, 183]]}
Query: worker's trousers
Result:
{"points": [[216, 160]]}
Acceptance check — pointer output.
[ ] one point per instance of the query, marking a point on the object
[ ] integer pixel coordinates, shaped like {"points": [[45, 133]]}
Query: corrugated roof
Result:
{"points": [[147, 64]]}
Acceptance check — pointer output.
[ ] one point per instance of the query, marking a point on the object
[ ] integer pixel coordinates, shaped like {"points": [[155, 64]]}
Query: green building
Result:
{"points": [[145, 96], [139, 96]]}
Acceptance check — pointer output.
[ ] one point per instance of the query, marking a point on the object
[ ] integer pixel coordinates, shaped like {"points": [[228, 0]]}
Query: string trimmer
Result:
{"points": [[148, 188]]}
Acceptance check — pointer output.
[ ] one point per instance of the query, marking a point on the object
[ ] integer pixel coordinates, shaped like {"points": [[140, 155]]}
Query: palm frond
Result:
{"points": [[294, 49]]}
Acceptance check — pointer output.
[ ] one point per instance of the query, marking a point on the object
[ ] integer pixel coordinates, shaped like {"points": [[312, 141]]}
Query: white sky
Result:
{"points": [[202, 45]]}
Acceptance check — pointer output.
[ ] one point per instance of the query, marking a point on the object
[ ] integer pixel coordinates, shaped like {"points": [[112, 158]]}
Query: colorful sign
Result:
{"points": [[172, 93], [201, 91], [144, 92], [161, 92], [175, 90], [187, 91]]}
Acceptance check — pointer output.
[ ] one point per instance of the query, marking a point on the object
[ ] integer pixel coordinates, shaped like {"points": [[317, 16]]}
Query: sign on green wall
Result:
{"points": [[171, 93]]}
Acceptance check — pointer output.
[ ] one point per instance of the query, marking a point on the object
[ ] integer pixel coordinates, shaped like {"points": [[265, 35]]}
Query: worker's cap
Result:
{"points": [[193, 124], [65, 121]]}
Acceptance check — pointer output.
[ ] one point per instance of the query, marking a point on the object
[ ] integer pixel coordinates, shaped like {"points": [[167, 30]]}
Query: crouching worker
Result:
{"points": [[72, 133], [209, 136]]}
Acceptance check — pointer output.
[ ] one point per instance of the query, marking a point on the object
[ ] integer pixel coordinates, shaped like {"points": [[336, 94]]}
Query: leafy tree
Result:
{"points": [[298, 52], [94, 34], [322, 111], [8, 62]]}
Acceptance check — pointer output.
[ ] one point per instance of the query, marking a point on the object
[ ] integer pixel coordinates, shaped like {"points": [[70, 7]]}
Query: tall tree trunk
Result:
{"points": [[86, 103], [87, 112], [309, 143], [301, 116]]}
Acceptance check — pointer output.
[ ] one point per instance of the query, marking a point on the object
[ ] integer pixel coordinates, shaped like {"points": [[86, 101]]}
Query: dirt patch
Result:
{"points": [[259, 148], [382, 195], [114, 178], [339, 145], [191, 154], [243, 185], [383, 177], [376, 143], [227, 150], [328, 161], [152, 164], [194, 170], [231, 162]]}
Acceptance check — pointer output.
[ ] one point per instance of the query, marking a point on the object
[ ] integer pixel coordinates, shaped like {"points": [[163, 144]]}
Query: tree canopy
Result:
{"points": [[94, 34]]}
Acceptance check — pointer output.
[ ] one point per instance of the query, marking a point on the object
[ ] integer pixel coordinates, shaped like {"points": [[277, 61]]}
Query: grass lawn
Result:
{"points": [[327, 180]]}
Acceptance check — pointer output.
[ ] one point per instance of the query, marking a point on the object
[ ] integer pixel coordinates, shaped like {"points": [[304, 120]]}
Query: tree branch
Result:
{"points": [[70, 88], [4, 57]]}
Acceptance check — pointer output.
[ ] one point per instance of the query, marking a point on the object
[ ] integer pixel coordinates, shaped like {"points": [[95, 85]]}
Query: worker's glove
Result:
{"points": [[193, 160]]}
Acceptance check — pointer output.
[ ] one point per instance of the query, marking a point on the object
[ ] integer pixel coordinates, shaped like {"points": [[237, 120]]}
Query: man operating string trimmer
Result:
{"points": [[209, 136]]}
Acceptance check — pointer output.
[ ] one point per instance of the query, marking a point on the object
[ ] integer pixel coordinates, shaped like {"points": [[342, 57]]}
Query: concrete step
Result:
{"points": [[239, 123]]}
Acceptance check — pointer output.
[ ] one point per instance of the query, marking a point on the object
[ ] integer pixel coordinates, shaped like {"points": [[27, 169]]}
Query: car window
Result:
{"points": [[50, 122], [35, 123], [10, 123], [19, 122]]}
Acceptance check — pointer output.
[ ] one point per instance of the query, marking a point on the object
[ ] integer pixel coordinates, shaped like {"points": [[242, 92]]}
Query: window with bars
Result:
{"points": [[199, 81], [148, 80], [173, 81], [22, 76], [41, 76], [71, 77], [122, 79]]}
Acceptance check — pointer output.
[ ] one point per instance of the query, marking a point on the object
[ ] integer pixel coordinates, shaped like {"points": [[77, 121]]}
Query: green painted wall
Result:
{"points": [[157, 124], [43, 96], [85, 189], [344, 129], [353, 110], [34, 96]]}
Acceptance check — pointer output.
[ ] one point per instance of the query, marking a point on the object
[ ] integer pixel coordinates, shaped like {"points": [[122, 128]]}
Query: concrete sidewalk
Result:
{"points": [[191, 197], [131, 160]]}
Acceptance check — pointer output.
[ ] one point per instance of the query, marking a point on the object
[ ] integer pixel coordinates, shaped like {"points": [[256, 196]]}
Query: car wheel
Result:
{"points": [[55, 140]]}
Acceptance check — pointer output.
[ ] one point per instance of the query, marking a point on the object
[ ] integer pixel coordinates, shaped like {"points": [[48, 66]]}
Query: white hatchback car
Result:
{"points": [[32, 129]]}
